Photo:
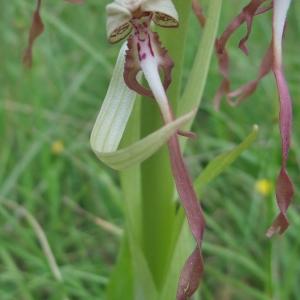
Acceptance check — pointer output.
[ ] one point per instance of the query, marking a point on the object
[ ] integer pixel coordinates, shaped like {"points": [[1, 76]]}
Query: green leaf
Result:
{"points": [[223, 161]]}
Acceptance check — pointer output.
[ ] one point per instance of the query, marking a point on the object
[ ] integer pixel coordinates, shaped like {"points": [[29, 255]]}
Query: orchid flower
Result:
{"points": [[146, 55], [272, 61], [37, 28]]}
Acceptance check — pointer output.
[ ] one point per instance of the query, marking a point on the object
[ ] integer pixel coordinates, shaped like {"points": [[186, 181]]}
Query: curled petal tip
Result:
{"points": [[284, 194], [190, 276], [37, 28]]}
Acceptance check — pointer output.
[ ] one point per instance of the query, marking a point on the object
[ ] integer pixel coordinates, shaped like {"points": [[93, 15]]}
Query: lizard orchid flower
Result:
{"points": [[37, 28], [146, 55], [272, 61]]}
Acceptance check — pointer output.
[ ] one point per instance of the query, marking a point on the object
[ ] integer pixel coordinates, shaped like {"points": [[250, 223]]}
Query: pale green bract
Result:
{"points": [[112, 120]]}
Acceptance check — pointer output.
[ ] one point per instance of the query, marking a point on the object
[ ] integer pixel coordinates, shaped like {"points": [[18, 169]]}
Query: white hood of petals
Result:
{"points": [[119, 14]]}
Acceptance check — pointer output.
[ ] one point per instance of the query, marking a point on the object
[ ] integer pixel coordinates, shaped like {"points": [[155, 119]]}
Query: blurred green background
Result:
{"points": [[49, 175]]}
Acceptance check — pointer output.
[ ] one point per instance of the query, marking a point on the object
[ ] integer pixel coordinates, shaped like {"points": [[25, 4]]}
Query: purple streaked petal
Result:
{"points": [[132, 65]]}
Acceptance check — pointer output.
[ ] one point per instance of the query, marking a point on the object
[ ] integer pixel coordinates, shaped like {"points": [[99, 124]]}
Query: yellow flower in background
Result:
{"points": [[263, 187], [57, 147]]}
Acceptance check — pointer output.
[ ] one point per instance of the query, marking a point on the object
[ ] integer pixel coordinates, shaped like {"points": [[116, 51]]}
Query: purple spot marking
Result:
{"points": [[150, 45]]}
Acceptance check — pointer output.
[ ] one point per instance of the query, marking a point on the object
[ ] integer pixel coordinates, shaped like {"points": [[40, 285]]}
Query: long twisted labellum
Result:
{"points": [[284, 187], [146, 54]]}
